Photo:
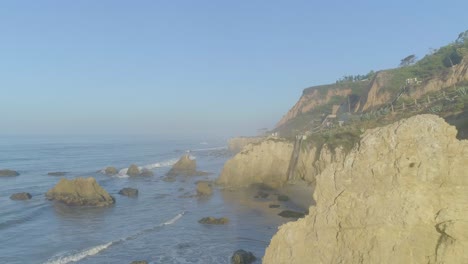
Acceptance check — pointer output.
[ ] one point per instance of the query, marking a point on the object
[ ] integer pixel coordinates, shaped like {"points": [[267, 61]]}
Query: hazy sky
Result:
{"points": [[195, 67]]}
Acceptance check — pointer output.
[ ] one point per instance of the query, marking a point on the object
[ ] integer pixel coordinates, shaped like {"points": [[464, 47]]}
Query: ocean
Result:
{"points": [[160, 225]]}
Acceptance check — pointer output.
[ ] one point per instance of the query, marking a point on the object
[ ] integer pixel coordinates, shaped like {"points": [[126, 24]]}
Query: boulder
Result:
{"points": [[139, 262], [204, 188], [110, 171], [8, 173], [214, 221], [291, 214], [185, 166], [145, 172], [130, 192], [80, 192], [57, 173], [400, 196], [133, 170], [242, 257], [21, 196]]}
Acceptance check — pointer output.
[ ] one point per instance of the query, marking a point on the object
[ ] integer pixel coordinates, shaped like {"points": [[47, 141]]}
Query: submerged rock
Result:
{"points": [[130, 192], [111, 171], [400, 196], [242, 257], [214, 221], [81, 192], [291, 214], [262, 194], [274, 206], [133, 170], [57, 173], [185, 166], [204, 188], [21, 196], [145, 172], [283, 198], [8, 173]]}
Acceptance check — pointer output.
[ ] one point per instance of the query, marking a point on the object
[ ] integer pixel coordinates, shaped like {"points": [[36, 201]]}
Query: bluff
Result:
{"points": [[236, 144], [399, 196]]}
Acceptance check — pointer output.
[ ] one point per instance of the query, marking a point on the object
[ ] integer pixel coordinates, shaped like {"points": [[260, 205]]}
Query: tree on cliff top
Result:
{"points": [[408, 60]]}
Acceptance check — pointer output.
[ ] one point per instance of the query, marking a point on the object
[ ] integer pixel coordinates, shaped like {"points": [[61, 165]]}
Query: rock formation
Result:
{"points": [[130, 192], [145, 172], [80, 191], [236, 144], [8, 173], [242, 257], [110, 171], [204, 188], [57, 173], [184, 166], [213, 221], [21, 196], [400, 196], [133, 170]]}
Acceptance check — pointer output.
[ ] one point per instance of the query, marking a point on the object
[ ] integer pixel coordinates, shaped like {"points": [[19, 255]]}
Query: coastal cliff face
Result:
{"points": [[236, 144], [400, 196], [265, 162]]}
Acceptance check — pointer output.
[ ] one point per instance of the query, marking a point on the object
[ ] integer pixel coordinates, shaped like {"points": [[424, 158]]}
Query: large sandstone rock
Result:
{"points": [[110, 171], [80, 191], [266, 162], [400, 196], [184, 166], [8, 173]]}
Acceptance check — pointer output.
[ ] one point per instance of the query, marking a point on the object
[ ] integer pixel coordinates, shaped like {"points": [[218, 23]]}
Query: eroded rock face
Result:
{"points": [[8, 173], [184, 166], [401, 196], [80, 191], [266, 162], [236, 144]]}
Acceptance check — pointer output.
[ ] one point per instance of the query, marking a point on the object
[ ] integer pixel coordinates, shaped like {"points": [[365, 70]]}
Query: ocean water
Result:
{"points": [[159, 226]]}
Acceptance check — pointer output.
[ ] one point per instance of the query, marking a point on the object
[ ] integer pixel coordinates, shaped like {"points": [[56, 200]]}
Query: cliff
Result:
{"points": [[399, 196], [236, 144]]}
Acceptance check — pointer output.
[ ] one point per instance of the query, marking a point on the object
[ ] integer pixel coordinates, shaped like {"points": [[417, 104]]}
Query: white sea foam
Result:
{"points": [[123, 172], [173, 220], [80, 255]]}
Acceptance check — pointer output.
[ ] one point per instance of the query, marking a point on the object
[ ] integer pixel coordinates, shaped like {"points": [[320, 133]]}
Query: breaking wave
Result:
{"points": [[77, 256], [123, 172]]}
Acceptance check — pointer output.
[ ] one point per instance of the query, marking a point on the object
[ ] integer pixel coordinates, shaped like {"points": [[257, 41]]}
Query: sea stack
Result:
{"points": [[80, 192]]}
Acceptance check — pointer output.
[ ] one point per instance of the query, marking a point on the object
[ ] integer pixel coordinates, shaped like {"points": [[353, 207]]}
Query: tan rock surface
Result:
{"points": [[80, 191], [236, 144], [401, 196]]}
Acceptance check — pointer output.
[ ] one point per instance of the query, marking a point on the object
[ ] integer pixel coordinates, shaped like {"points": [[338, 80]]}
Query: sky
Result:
{"points": [[208, 68]]}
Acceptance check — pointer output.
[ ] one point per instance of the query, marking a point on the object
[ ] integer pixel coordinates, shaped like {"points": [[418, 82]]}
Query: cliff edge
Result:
{"points": [[399, 196]]}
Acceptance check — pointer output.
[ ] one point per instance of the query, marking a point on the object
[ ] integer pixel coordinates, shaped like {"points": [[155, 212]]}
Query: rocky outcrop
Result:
{"points": [[265, 162], [236, 144], [400, 196], [185, 166], [242, 257], [204, 188], [146, 173], [213, 221], [8, 173], [80, 191], [21, 196], [110, 171], [133, 171], [57, 173], [130, 192]]}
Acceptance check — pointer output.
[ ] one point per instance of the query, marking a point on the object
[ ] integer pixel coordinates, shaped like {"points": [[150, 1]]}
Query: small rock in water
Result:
{"points": [[274, 206], [21, 196], [57, 173], [262, 194], [291, 214], [169, 179], [214, 221], [146, 172], [242, 257], [204, 188], [139, 262], [110, 171], [283, 198], [133, 170], [8, 173], [130, 192]]}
